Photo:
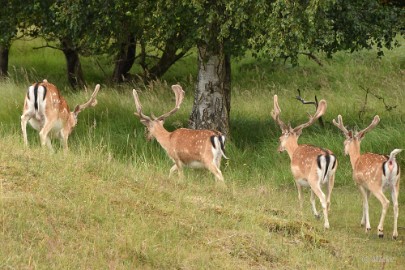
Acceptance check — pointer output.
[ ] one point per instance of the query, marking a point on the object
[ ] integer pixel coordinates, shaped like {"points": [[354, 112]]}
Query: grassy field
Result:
{"points": [[109, 204]]}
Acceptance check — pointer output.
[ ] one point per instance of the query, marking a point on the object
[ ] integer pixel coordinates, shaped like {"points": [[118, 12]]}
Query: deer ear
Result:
{"points": [[77, 110], [360, 136]]}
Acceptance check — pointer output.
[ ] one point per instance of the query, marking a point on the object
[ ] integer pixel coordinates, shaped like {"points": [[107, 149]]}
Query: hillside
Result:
{"points": [[109, 203]]}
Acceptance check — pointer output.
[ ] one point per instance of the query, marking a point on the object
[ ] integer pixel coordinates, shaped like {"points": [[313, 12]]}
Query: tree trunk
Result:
{"points": [[74, 68], [125, 59], [168, 58], [212, 99], [4, 50]]}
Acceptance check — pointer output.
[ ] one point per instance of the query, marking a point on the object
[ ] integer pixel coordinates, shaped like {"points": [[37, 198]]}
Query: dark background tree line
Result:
{"points": [[155, 34]]}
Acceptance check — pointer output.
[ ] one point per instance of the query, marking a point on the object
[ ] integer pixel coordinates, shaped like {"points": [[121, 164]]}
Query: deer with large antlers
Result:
{"points": [[186, 147], [310, 165], [48, 112], [373, 173]]}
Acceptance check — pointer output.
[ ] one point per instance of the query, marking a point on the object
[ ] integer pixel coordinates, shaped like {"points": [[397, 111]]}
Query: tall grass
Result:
{"points": [[108, 203]]}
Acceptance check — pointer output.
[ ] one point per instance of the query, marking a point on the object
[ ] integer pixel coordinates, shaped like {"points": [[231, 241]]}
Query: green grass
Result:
{"points": [[109, 203]]}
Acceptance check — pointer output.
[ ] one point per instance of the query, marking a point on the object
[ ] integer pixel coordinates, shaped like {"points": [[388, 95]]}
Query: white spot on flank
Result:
{"points": [[303, 182], [195, 164]]}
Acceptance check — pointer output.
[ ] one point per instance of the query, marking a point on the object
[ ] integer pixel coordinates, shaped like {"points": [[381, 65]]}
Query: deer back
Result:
{"points": [[306, 158], [189, 145]]}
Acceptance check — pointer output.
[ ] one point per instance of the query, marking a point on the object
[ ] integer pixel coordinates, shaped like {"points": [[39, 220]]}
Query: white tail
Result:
{"points": [[48, 112], [372, 173], [186, 147], [310, 165]]}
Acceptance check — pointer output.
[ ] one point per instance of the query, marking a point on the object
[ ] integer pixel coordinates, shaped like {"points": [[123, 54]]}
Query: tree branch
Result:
{"points": [[321, 123], [47, 46], [363, 108], [313, 57]]}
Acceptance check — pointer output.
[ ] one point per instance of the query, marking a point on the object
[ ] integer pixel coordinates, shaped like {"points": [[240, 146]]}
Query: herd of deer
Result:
{"points": [[48, 112]]}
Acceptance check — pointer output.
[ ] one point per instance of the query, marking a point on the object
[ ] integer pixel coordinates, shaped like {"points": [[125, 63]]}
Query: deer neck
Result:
{"points": [[354, 154], [162, 136], [290, 147]]}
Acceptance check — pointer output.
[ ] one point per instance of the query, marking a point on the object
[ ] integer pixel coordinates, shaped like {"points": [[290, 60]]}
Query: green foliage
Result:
{"points": [[12, 14], [294, 27], [273, 29]]}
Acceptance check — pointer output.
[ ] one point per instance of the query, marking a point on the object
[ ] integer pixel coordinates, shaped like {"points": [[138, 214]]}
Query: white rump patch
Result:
{"points": [[216, 151]]}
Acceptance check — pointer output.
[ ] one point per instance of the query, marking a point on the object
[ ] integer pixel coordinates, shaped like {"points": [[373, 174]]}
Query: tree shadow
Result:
{"points": [[251, 132]]}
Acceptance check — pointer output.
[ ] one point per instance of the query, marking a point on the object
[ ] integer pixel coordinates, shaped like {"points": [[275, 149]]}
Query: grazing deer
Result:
{"points": [[310, 165], [47, 112], [372, 173], [186, 147]]}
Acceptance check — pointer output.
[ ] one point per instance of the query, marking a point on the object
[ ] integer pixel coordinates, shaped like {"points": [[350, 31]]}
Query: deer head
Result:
{"points": [[290, 135], [353, 139], [152, 123]]}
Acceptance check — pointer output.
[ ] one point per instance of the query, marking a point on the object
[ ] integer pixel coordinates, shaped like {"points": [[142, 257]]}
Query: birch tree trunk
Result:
{"points": [[212, 97]]}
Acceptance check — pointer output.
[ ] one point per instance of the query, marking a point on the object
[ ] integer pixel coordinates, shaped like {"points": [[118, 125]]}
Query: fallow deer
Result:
{"points": [[48, 112], [373, 173], [186, 147], [310, 165]]}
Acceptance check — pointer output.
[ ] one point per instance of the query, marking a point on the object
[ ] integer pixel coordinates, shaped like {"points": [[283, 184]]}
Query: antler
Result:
{"points": [[139, 107], [179, 93], [319, 112], [373, 124], [339, 125], [90, 103], [275, 113]]}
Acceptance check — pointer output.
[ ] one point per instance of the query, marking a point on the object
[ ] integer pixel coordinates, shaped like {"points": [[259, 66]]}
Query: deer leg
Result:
{"points": [[178, 166], [394, 195], [318, 192], [300, 200], [316, 214], [330, 185], [24, 120], [64, 140], [217, 172], [365, 220], [385, 204], [173, 169], [43, 134]]}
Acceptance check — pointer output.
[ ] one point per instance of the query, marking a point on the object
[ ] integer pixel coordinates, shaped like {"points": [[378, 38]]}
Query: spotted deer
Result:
{"points": [[310, 165], [186, 147], [373, 173], [48, 112]]}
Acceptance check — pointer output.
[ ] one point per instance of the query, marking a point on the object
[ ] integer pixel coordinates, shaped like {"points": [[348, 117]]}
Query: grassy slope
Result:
{"points": [[109, 204]]}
